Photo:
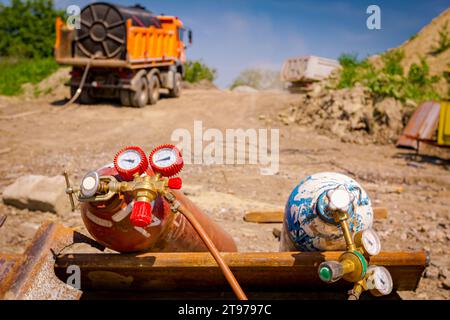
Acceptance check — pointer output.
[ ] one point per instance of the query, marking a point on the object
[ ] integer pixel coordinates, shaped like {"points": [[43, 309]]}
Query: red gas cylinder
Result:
{"points": [[109, 223]]}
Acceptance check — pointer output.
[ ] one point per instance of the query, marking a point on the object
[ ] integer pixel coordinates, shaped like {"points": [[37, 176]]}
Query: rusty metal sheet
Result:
{"points": [[421, 127]]}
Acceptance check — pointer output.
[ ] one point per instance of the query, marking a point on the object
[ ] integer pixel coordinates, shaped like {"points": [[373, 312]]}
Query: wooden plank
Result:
{"points": [[276, 216], [264, 216], [5, 150], [266, 271]]}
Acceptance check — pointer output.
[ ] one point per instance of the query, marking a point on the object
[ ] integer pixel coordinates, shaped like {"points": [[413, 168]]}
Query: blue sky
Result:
{"points": [[232, 35]]}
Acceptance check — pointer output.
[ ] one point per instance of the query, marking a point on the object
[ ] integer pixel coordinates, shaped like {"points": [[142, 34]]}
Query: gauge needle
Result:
{"points": [[167, 158], [129, 160]]}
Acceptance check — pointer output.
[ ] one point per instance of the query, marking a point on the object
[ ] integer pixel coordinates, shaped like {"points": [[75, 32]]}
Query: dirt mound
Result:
{"points": [[423, 45], [351, 115], [354, 115], [52, 86], [244, 89], [201, 85]]}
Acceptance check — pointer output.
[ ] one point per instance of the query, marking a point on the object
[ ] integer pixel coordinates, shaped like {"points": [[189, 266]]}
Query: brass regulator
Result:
{"points": [[353, 265]]}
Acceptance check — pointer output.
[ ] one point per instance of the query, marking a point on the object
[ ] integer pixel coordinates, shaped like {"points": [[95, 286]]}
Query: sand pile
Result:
{"points": [[352, 115]]}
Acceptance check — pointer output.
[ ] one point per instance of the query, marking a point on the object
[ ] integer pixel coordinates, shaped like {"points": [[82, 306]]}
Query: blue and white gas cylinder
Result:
{"points": [[308, 223]]}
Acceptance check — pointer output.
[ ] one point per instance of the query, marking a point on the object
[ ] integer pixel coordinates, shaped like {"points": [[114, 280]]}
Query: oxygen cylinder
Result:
{"points": [[308, 223], [109, 223]]}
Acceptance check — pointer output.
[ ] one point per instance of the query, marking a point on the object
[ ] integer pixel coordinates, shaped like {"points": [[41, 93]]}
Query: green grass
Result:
{"points": [[14, 73]]}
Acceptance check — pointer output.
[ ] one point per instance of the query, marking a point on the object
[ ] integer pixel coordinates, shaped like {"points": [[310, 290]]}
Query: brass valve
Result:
{"points": [[143, 188], [352, 265]]}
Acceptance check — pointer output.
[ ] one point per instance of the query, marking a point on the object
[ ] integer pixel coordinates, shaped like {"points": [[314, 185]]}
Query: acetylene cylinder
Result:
{"points": [[108, 222], [309, 226]]}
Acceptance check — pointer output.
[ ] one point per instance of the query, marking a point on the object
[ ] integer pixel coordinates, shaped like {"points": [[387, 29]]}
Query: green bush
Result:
{"points": [[27, 37], [443, 41], [353, 70], [392, 62], [27, 28], [389, 80], [197, 70], [14, 73]]}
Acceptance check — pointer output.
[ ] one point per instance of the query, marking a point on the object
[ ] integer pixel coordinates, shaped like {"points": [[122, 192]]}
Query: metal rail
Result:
{"points": [[41, 273]]}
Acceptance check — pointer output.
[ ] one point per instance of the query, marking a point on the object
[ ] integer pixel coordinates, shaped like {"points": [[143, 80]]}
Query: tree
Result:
{"points": [[197, 70], [27, 28]]}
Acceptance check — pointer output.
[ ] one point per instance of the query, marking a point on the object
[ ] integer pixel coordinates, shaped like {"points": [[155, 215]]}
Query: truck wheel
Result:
{"points": [[139, 98], [153, 89], [176, 91], [125, 98]]}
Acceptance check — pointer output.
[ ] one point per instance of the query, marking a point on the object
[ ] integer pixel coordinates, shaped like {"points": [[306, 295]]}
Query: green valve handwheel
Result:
{"points": [[330, 271]]}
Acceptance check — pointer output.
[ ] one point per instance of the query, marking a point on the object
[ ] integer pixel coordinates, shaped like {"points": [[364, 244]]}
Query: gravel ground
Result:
{"points": [[38, 136]]}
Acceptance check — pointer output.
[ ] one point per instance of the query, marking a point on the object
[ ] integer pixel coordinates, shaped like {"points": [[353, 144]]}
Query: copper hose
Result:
{"points": [[210, 245]]}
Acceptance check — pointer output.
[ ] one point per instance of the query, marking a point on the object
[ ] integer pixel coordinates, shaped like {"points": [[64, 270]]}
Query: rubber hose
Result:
{"points": [[83, 79], [211, 247]]}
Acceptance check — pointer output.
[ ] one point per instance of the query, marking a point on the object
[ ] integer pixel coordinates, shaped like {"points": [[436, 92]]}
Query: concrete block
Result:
{"points": [[41, 193]]}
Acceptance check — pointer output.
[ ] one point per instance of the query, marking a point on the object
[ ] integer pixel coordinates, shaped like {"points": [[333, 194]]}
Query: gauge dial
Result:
{"points": [[369, 241], [166, 160], [379, 281], [130, 161]]}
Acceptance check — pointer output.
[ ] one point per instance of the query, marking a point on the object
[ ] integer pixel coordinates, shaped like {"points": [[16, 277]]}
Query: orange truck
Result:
{"points": [[122, 52]]}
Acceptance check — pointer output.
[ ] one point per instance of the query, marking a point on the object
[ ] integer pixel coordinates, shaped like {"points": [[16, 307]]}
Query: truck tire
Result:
{"points": [[125, 98], [153, 89], [176, 91], [139, 98], [84, 98]]}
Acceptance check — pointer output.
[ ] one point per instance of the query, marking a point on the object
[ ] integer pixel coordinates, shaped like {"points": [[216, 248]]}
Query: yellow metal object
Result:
{"points": [[444, 124], [341, 217], [69, 190], [358, 288], [354, 266], [143, 188]]}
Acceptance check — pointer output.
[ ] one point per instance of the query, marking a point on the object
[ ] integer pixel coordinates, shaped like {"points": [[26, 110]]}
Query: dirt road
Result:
{"points": [[41, 137]]}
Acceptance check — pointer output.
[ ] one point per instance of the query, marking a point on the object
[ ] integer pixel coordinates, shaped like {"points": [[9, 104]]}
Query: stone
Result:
{"points": [[432, 273], [38, 193], [446, 284], [388, 112], [27, 229], [444, 273]]}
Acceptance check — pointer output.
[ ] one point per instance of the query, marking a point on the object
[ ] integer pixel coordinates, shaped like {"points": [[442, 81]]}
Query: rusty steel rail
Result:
{"points": [[41, 272], [2, 220], [31, 276], [258, 271]]}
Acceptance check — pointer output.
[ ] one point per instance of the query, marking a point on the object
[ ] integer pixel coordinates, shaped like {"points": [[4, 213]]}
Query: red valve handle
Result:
{"points": [[175, 183], [141, 216]]}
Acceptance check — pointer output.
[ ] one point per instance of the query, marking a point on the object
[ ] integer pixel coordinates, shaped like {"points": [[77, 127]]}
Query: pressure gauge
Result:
{"points": [[379, 281], [130, 161], [369, 241], [166, 160]]}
